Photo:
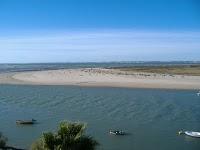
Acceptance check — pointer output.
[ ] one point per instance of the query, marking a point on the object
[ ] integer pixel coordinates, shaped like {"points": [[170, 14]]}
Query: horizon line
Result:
{"points": [[153, 61]]}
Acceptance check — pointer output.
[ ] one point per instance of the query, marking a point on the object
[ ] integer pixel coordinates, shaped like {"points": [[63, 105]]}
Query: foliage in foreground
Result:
{"points": [[3, 140], [70, 136]]}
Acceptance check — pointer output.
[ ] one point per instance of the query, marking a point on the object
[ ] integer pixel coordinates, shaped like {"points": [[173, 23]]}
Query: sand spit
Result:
{"points": [[102, 77]]}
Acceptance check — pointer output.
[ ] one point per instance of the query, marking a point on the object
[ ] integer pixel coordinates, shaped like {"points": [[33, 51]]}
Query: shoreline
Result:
{"points": [[101, 77]]}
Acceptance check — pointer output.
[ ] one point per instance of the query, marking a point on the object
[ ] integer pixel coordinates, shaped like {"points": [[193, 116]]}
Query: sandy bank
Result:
{"points": [[102, 77]]}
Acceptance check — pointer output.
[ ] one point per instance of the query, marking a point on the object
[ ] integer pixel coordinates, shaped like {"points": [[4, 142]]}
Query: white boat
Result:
{"points": [[190, 133], [193, 134], [117, 132], [198, 94]]}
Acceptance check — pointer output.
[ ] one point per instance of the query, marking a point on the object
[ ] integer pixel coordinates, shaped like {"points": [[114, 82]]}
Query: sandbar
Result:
{"points": [[101, 77]]}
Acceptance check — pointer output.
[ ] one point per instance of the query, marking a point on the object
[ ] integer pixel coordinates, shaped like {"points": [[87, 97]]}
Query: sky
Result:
{"points": [[99, 30]]}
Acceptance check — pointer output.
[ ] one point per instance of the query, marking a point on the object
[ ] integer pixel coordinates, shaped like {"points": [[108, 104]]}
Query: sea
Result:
{"points": [[151, 117]]}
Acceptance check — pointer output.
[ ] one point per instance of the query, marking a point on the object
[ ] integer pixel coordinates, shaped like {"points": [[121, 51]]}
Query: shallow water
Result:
{"points": [[151, 116]]}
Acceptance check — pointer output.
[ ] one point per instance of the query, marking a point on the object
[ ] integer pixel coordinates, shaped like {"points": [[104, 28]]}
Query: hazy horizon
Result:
{"points": [[99, 31]]}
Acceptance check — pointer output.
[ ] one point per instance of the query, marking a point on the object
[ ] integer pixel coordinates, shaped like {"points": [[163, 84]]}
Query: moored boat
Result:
{"points": [[190, 133], [117, 132], [26, 122], [193, 134]]}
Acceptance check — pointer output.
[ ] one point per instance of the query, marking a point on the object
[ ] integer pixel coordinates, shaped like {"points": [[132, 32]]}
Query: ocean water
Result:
{"points": [[152, 117]]}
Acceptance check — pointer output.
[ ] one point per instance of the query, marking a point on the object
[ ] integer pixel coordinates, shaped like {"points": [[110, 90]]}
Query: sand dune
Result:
{"points": [[102, 77]]}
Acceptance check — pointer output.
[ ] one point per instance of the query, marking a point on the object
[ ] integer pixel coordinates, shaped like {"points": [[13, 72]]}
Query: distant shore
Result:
{"points": [[101, 77]]}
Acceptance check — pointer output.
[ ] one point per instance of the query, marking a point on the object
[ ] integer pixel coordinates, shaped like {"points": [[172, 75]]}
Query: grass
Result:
{"points": [[193, 70]]}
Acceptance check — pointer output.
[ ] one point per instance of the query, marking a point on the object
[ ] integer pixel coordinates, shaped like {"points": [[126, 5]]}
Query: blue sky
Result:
{"points": [[99, 30]]}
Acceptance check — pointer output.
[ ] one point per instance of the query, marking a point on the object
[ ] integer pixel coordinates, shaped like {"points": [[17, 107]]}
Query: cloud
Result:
{"points": [[100, 46]]}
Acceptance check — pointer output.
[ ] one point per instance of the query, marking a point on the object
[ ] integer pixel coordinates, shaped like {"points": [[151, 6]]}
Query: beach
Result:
{"points": [[102, 77]]}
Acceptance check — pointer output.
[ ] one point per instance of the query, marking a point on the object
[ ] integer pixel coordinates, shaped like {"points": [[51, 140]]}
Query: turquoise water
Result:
{"points": [[151, 116]]}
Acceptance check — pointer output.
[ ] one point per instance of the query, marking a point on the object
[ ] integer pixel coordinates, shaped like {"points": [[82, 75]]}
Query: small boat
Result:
{"points": [[193, 134], [117, 132], [198, 94], [26, 122], [190, 133]]}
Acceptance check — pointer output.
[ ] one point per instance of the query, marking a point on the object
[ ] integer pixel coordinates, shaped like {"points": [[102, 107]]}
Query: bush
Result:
{"points": [[70, 136], [3, 140]]}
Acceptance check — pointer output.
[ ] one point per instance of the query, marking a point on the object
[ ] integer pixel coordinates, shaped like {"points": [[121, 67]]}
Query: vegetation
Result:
{"points": [[168, 69], [70, 136], [3, 144], [3, 141]]}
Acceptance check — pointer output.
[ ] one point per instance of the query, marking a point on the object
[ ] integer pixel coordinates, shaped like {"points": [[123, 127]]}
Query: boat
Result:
{"points": [[26, 122], [198, 94], [117, 132], [190, 133], [193, 134]]}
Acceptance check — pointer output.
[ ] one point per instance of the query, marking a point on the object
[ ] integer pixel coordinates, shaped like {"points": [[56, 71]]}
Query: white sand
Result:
{"points": [[102, 77]]}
